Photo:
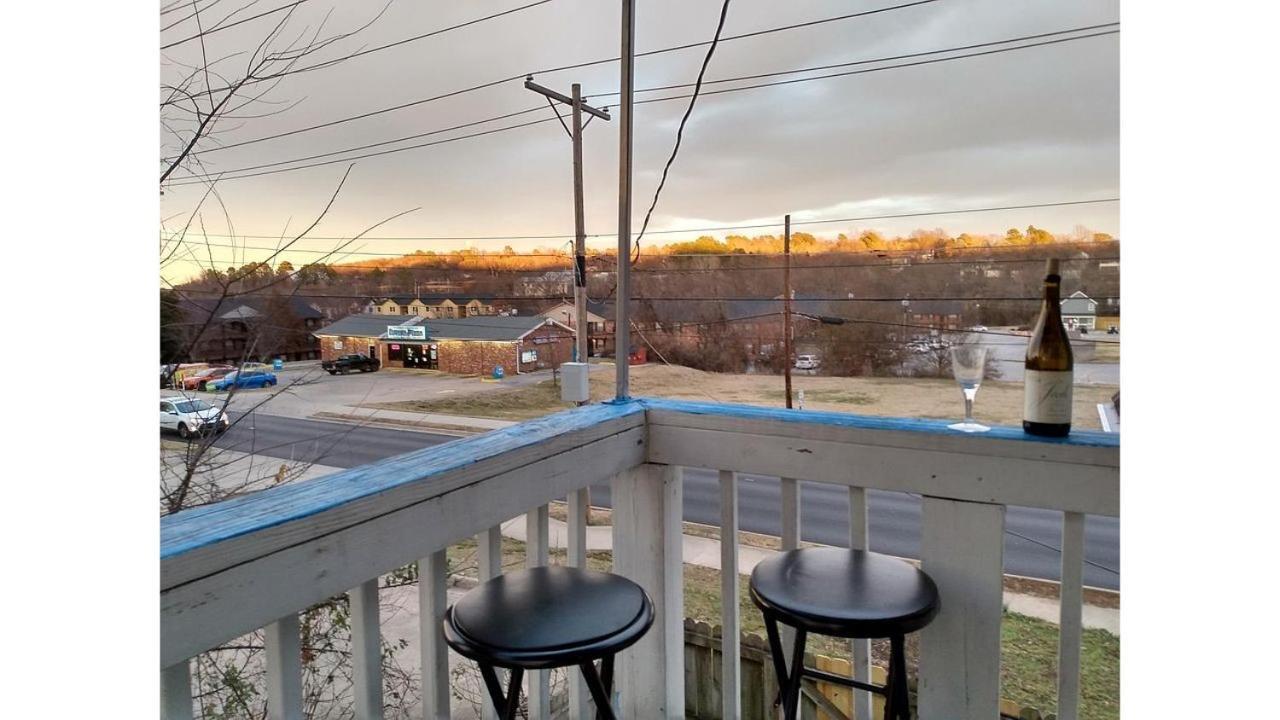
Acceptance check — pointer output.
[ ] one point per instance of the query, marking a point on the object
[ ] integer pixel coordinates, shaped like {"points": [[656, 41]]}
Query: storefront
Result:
{"points": [[462, 346], [423, 356]]}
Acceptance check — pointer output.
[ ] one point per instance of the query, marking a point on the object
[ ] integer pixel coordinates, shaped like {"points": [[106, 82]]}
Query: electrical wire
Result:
{"points": [[231, 174], [545, 71], [863, 218], [688, 111]]}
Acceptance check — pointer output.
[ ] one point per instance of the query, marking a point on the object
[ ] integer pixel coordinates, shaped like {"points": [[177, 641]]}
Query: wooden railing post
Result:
{"points": [[489, 566], [790, 541], [175, 692], [578, 510], [537, 540], [284, 669], [730, 647], [366, 651], [648, 547], [433, 600], [962, 549], [1070, 627], [860, 539]]}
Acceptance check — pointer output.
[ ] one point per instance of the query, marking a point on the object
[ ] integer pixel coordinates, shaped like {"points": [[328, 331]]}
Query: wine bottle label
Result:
{"points": [[1047, 396]]}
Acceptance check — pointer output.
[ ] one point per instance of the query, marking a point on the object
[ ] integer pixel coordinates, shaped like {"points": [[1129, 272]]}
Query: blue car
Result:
{"points": [[245, 379]]}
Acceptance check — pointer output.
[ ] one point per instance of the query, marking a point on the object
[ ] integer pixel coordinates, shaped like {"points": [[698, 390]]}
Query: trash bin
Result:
{"points": [[277, 364], [498, 374]]}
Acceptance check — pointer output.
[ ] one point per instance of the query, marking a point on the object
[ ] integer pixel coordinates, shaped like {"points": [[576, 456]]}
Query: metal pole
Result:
{"points": [[786, 301], [622, 333], [580, 233]]}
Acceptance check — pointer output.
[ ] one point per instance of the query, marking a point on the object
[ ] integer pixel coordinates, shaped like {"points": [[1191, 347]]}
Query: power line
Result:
{"points": [[712, 298], [922, 53], [693, 99], [521, 76], [231, 174], [372, 145], [918, 63], [567, 258], [201, 179], [931, 213]]}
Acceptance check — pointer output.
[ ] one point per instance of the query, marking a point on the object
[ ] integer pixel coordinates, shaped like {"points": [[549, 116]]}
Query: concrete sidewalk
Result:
{"points": [[705, 552]]}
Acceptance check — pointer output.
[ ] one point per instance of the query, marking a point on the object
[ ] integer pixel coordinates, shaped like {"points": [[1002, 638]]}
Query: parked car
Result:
{"points": [[171, 376], [978, 328], [806, 362], [191, 416], [245, 379], [347, 363], [201, 380]]}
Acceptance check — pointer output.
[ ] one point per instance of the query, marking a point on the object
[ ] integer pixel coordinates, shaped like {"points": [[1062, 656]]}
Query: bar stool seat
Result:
{"points": [[548, 617], [848, 594]]}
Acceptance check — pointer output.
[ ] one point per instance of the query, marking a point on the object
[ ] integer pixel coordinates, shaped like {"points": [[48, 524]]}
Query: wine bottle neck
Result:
{"points": [[1052, 295]]}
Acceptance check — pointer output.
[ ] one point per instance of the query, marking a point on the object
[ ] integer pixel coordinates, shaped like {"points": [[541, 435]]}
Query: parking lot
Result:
{"points": [[304, 389]]}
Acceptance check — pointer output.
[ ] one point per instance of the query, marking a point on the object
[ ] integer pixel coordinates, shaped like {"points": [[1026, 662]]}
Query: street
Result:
{"points": [[1031, 538]]}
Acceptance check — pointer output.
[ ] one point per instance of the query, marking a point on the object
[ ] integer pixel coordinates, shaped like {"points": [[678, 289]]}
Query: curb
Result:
{"points": [[397, 424]]}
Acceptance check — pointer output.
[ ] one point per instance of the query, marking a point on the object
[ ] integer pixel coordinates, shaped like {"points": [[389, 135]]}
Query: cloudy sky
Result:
{"points": [[1039, 125]]}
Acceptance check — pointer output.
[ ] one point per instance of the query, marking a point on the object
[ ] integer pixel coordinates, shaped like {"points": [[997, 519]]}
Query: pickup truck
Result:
{"points": [[347, 363]]}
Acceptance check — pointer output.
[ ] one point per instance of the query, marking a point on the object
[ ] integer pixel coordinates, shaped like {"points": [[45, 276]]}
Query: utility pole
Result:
{"points": [[579, 214], [626, 102], [786, 301]]}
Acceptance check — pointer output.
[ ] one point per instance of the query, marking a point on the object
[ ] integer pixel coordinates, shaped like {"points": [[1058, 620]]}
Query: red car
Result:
{"points": [[200, 380]]}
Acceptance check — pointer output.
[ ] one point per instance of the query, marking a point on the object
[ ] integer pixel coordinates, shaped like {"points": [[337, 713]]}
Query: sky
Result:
{"points": [[1039, 125]]}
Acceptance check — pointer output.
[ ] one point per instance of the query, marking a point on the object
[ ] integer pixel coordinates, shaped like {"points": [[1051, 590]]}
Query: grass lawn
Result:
{"points": [[997, 402], [1029, 646]]}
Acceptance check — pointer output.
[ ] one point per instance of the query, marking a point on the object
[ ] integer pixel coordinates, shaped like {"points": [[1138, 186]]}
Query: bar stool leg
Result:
{"points": [[600, 690], [507, 705], [898, 704], [791, 704]]}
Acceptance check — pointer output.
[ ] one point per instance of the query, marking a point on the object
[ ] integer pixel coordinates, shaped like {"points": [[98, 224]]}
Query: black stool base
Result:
{"points": [[897, 704], [507, 704]]}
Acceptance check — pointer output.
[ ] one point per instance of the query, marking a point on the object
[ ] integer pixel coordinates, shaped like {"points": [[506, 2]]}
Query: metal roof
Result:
{"points": [[484, 327]]}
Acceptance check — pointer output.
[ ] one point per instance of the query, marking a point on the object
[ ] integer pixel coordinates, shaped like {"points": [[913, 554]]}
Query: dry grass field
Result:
{"points": [[997, 402]]}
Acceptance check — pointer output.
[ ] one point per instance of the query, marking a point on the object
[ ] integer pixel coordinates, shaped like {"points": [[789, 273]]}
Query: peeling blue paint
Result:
{"points": [[1082, 438], [211, 524]]}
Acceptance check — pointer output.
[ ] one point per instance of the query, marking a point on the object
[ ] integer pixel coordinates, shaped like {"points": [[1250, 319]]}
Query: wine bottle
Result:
{"points": [[1046, 406]]}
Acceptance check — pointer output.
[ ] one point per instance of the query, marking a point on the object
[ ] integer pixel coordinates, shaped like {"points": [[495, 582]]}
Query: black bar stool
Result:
{"points": [[847, 594], [548, 617]]}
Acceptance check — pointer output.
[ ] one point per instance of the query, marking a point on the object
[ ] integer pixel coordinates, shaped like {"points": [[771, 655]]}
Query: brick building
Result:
{"points": [[250, 327], [463, 346]]}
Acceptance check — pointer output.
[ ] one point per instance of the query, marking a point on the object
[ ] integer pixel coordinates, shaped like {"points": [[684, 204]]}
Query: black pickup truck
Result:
{"points": [[347, 363]]}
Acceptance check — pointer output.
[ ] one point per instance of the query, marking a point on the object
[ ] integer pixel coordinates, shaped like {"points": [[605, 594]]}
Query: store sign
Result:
{"points": [[406, 332], [529, 356]]}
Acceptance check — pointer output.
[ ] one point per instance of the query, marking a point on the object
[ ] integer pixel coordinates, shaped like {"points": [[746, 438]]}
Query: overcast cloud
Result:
{"points": [[1037, 125]]}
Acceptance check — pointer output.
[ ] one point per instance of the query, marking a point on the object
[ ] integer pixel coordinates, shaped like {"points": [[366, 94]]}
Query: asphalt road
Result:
{"points": [[1030, 539]]}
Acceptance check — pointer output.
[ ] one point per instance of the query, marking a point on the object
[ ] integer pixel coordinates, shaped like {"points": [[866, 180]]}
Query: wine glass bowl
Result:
{"points": [[968, 363]]}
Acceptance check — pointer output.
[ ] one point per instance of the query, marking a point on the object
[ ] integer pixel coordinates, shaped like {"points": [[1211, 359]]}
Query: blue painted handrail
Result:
{"points": [[1082, 438], [211, 524]]}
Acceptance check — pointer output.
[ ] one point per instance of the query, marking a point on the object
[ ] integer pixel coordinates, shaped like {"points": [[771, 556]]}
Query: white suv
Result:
{"points": [[806, 362], [191, 416]]}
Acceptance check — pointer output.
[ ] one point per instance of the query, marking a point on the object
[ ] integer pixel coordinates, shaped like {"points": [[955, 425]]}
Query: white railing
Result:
{"points": [[255, 562]]}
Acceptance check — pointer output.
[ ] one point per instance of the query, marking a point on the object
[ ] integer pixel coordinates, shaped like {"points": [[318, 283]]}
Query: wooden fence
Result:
{"points": [[819, 701]]}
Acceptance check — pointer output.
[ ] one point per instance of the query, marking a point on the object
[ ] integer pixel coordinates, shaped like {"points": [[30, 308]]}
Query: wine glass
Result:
{"points": [[968, 361]]}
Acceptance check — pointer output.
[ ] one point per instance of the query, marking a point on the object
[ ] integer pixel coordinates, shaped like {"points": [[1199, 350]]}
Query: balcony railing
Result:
{"points": [[257, 561]]}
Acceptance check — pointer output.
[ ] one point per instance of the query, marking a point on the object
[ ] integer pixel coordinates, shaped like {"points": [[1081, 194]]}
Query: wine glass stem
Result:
{"points": [[968, 408]]}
